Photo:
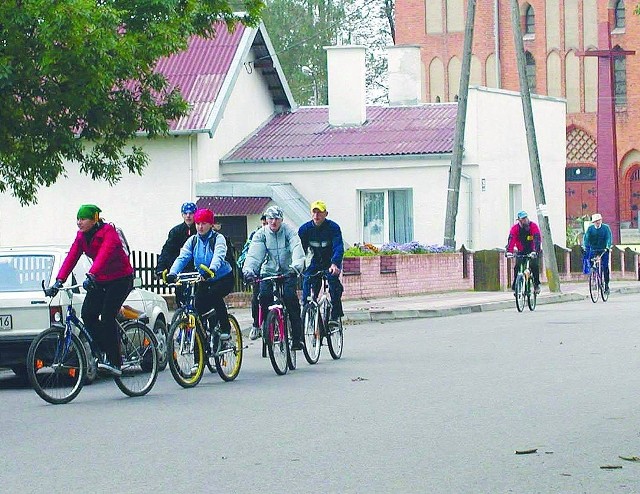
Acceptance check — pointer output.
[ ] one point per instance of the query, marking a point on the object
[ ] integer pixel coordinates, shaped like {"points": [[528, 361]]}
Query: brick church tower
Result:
{"points": [[555, 33]]}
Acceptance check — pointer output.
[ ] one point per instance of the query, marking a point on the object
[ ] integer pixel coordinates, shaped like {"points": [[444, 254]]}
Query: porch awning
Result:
{"points": [[233, 206]]}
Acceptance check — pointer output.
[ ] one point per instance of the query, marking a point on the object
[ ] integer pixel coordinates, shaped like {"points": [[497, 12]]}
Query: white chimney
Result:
{"points": [[346, 73], [405, 75]]}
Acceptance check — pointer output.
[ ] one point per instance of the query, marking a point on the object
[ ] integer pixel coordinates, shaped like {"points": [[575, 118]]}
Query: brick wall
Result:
{"points": [[391, 276]]}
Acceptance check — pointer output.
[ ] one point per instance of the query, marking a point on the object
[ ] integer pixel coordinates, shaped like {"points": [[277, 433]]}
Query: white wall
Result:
{"points": [[145, 207], [495, 140]]}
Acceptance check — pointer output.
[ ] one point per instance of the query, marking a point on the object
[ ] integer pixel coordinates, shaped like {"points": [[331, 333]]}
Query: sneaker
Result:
{"points": [[194, 368], [334, 323], [109, 368], [224, 336], [606, 289], [255, 333], [536, 290]]}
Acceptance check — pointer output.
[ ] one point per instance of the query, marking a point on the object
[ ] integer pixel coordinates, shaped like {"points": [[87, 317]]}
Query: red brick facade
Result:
{"points": [[410, 29]]}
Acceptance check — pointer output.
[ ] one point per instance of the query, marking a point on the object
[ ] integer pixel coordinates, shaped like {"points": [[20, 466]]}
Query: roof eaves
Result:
{"points": [[377, 157], [276, 64], [229, 81]]}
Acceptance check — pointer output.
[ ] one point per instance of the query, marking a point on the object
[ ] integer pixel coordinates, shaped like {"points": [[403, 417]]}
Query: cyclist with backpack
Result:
{"points": [[175, 240], [276, 250], [109, 281], [255, 332], [209, 248]]}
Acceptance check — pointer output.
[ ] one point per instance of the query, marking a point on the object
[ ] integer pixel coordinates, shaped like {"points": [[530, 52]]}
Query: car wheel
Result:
{"points": [[160, 330]]}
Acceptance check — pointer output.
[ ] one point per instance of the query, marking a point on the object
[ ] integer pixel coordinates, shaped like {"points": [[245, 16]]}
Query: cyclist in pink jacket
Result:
{"points": [[108, 282], [525, 237]]}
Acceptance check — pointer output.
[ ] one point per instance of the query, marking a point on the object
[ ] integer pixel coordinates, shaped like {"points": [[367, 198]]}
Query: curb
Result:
{"points": [[390, 315]]}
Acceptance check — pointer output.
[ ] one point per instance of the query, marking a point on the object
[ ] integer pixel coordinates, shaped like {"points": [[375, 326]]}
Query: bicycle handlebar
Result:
{"points": [[521, 256]]}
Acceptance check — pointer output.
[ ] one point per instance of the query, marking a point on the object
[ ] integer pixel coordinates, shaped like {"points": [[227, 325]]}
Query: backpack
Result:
{"points": [[123, 240], [212, 245], [245, 248]]}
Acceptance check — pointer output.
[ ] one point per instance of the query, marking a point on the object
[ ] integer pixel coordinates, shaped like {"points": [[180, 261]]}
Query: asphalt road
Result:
{"points": [[433, 405]]}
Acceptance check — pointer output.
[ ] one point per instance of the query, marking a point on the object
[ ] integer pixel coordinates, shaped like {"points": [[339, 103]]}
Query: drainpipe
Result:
{"points": [[496, 38], [191, 184], [467, 178]]}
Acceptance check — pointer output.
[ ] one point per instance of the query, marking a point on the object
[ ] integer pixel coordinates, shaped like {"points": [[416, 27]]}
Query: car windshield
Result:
{"points": [[24, 273]]}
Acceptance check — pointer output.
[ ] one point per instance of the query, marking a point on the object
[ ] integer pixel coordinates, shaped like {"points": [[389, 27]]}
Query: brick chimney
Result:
{"points": [[347, 85], [405, 75]]}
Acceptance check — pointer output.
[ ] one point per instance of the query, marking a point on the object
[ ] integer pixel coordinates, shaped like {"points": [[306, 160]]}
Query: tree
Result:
{"points": [[300, 29], [77, 82]]}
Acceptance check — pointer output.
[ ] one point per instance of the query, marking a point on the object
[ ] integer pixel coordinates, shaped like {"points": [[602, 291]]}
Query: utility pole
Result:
{"points": [[534, 160], [455, 170]]}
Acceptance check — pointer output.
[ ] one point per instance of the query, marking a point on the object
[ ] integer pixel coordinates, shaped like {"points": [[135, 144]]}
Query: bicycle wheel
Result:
{"points": [[311, 329], [56, 366], [603, 293], [276, 344], [186, 351], [139, 350], [594, 289], [160, 331], [335, 339], [292, 360], [520, 296], [532, 296], [229, 359]]}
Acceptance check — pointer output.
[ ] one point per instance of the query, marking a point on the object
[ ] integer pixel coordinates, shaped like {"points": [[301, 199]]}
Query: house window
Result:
{"points": [[530, 70], [529, 21], [620, 79], [619, 14], [387, 216]]}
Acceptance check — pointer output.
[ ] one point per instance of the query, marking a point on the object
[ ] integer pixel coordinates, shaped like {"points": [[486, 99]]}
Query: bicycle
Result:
{"points": [[191, 345], [277, 339], [596, 280], [315, 323], [59, 357], [523, 285]]}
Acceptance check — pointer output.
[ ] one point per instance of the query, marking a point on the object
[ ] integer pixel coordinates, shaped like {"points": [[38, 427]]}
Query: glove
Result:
{"points": [[170, 277], [206, 276], [90, 282], [161, 274], [53, 289], [250, 277]]}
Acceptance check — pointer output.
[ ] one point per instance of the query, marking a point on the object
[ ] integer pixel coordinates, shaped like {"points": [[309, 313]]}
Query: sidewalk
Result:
{"points": [[451, 303]]}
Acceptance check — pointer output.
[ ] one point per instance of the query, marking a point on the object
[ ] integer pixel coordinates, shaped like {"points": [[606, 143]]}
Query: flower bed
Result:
{"points": [[404, 269]]}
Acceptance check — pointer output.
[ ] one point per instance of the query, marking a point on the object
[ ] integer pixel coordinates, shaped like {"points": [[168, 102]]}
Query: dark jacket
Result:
{"points": [[322, 244], [178, 235], [104, 248]]}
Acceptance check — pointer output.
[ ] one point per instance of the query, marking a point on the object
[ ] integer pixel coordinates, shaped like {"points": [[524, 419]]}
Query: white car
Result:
{"points": [[25, 311]]}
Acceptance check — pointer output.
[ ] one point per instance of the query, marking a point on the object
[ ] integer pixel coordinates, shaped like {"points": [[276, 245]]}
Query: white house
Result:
{"points": [[383, 171]]}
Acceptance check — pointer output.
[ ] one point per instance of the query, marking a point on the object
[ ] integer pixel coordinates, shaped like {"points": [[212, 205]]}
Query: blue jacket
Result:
{"points": [[323, 245], [597, 238], [201, 253]]}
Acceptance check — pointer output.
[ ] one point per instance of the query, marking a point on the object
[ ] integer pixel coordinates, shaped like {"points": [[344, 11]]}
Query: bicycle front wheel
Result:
{"points": [[594, 286], [335, 339], [56, 366], [186, 352], [139, 350], [277, 343], [532, 296], [520, 296], [603, 293], [311, 329], [229, 358], [292, 360]]}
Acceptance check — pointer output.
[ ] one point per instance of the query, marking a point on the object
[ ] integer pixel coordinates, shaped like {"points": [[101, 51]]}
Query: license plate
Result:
{"points": [[5, 322]]}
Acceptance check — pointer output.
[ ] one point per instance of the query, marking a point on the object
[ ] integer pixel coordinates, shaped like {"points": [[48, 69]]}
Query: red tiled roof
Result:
{"points": [[233, 206], [199, 72], [388, 131]]}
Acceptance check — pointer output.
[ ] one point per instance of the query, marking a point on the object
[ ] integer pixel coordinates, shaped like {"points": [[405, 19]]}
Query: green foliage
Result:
{"points": [[66, 82]]}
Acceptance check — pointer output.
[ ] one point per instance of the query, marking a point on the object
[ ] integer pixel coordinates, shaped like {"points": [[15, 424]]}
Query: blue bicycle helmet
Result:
{"points": [[522, 214], [188, 207]]}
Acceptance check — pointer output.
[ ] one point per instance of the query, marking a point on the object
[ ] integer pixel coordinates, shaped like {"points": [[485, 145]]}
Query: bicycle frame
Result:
{"points": [[322, 299], [278, 306]]}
